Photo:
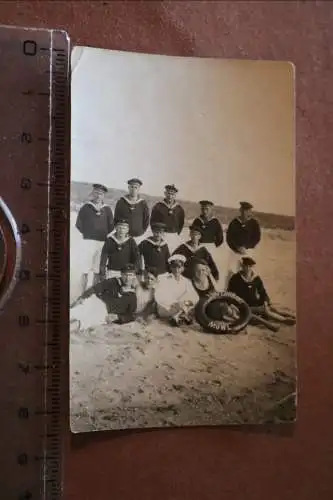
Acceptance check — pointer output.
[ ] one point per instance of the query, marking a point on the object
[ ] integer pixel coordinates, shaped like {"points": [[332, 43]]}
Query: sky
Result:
{"points": [[218, 129]]}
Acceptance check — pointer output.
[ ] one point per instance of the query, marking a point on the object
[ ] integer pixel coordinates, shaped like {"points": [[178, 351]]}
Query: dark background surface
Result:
{"points": [[228, 463]]}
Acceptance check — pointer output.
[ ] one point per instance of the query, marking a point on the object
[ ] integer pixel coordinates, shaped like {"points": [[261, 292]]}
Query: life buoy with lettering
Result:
{"points": [[222, 313]]}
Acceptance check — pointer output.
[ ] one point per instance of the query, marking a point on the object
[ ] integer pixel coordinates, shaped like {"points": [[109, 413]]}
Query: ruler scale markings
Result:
{"points": [[42, 219]]}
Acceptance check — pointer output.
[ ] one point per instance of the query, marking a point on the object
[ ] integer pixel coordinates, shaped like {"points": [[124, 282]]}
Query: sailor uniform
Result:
{"points": [[136, 212], [155, 255], [192, 255], [172, 295], [251, 290], [173, 216], [117, 254], [246, 234], [211, 230], [116, 298], [94, 224]]}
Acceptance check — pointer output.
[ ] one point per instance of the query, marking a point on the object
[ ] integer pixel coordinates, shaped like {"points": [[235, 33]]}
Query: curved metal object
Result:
{"points": [[10, 253]]}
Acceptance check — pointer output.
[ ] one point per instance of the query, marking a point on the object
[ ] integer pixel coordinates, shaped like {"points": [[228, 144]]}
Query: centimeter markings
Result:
{"points": [[58, 216], [48, 464]]}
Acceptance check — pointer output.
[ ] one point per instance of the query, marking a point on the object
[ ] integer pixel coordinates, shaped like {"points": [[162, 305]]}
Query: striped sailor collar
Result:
{"points": [[98, 209], [155, 243], [114, 237], [243, 222], [189, 246], [170, 207], [132, 202], [205, 221], [250, 279]]}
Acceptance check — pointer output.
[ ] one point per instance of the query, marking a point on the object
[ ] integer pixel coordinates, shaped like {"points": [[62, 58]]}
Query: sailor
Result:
{"points": [[212, 232], [154, 250], [174, 294], [192, 250], [113, 296], [249, 286], [134, 209], [171, 214], [145, 294], [95, 222], [119, 250], [243, 235]]}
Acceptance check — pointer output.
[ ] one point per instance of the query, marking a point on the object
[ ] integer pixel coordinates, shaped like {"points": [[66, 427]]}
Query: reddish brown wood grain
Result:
{"points": [[226, 463]]}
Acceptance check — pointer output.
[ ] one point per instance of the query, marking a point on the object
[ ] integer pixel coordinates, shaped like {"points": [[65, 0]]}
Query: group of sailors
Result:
{"points": [[128, 272]]}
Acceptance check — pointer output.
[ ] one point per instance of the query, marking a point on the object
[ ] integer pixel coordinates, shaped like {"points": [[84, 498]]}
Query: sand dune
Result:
{"points": [[151, 375]]}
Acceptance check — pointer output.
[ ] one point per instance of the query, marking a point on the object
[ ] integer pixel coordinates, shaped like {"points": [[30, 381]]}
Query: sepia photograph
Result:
{"points": [[182, 241]]}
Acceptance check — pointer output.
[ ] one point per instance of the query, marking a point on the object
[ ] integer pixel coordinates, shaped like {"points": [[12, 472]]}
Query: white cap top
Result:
{"points": [[177, 257]]}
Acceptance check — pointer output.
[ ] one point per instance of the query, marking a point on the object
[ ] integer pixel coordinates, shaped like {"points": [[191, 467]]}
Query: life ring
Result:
{"points": [[11, 252], [212, 314]]}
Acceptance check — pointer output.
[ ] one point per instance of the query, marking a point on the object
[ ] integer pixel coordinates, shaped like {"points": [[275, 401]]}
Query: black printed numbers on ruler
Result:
{"points": [[41, 184]]}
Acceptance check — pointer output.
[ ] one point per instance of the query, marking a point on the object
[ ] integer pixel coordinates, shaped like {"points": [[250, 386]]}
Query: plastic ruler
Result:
{"points": [[34, 201]]}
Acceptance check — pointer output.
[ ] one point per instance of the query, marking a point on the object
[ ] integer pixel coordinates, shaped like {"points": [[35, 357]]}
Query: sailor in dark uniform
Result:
{"points": [[249, 286], [171, 214], [118, 251], [243, 235], [134, 209], [154, 250], [212, 232], [95, 222], [193, 250], [113, 296]]}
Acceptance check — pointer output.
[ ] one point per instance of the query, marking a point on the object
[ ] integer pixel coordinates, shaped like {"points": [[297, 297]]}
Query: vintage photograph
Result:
{"points": [[182, 241]]}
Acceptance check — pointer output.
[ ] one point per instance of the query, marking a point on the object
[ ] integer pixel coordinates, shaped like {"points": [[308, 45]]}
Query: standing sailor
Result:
{"points": [[212, 232], [154, 250], [243, 235], [134, 209], [171, 214], [95, 222]]}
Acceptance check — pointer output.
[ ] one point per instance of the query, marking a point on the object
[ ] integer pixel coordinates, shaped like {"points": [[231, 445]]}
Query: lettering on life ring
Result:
{"points": [[212, 313]]}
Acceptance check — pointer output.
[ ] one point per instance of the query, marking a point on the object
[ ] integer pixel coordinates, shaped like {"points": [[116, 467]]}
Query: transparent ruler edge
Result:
{"points": [[56, 331]]}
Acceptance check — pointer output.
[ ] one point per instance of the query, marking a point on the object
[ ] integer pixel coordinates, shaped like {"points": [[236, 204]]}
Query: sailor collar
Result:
{"points": [[97, 210], [158, 245], [119, 243], [248, 281], [132, 202], [191, 248], [204, 222], [170, 207], [243, 222]]}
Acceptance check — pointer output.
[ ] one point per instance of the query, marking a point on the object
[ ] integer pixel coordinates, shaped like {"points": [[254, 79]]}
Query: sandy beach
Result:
{"points": [[151, 375]]}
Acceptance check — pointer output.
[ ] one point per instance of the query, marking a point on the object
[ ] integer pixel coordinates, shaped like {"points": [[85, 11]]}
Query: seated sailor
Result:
{"points": [[174, 294], [154, 250], [250, 287], [119, 250], [203, 282], [193, 249], [110, 296]]}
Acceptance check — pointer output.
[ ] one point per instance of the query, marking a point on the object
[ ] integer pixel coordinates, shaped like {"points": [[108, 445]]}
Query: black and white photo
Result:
{"points": [[183, 242]]}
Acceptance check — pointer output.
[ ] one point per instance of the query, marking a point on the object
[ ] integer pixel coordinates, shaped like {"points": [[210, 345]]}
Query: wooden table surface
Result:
{"points": [[228, 463]]}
